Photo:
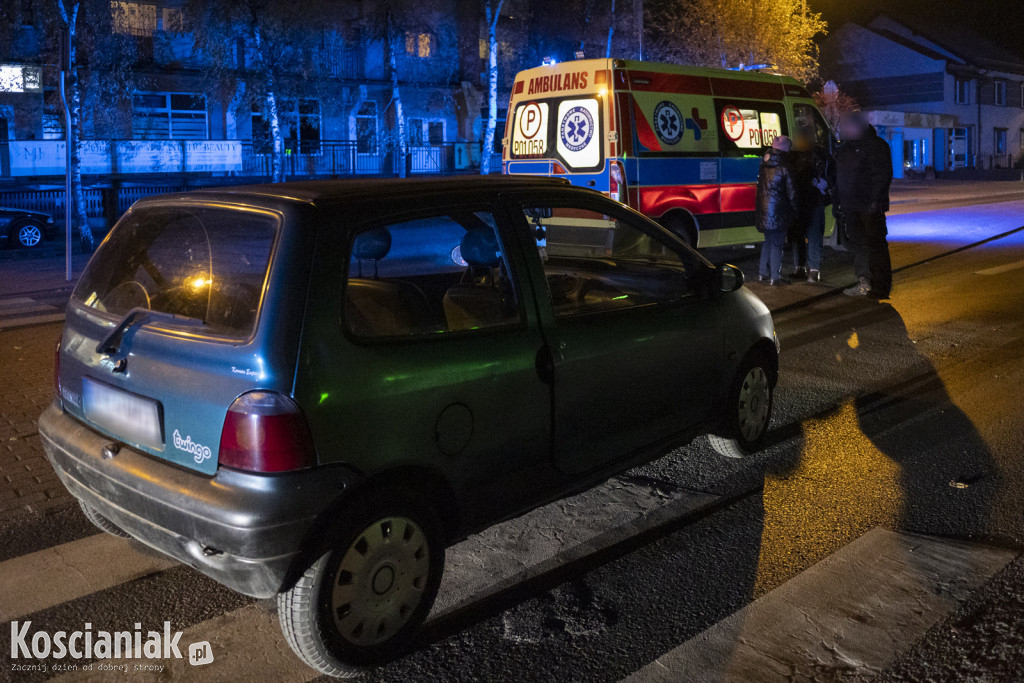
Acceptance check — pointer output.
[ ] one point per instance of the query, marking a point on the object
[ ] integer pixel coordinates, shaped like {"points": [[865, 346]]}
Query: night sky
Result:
{"points": [[1000, 21]]}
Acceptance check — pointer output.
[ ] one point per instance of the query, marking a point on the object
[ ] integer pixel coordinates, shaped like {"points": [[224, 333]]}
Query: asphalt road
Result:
{"points": [[902, 415]]}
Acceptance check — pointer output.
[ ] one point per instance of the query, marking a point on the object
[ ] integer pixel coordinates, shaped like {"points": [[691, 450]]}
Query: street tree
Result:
{"points": [[492, 14], [739, 33], [833, 103], [269, 44]]}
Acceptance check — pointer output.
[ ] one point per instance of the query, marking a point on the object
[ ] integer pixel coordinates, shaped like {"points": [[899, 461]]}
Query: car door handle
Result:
{"points": [[545, 364]]}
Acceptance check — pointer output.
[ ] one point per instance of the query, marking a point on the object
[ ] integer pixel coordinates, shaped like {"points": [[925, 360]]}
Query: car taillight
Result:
{"points": [[266, 432], [617, 182]]}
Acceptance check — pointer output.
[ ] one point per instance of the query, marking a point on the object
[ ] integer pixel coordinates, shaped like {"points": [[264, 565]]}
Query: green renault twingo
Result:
{"points": [[310, 390]]}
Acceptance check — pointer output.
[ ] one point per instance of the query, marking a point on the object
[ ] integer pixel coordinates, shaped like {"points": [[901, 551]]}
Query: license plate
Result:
{"points": [[133, 418]]}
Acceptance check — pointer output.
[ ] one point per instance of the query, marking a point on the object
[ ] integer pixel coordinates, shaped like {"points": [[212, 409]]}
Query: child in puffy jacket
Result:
{"points": [[777, 207]]}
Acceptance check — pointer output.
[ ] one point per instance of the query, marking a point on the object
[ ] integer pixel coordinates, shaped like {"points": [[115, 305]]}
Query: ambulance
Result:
{"points": [[680, 144]]}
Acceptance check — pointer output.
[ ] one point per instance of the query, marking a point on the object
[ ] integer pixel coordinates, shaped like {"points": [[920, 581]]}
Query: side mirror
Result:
{"points": [[730, 278]]}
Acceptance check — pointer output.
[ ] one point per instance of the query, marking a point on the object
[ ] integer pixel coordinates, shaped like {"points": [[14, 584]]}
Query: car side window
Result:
{"points": [[595, 262], [429, 275]]}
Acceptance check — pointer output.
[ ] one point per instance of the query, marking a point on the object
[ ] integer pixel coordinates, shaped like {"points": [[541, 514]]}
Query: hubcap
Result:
{"points": [[755, 399], [29, 235], [380, 581]]}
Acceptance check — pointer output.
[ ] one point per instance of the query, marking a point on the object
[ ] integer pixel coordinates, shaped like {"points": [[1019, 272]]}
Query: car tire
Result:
{"points": [[28, 235], [101, 522], [360, 602], [748, 409], [682, 226]]}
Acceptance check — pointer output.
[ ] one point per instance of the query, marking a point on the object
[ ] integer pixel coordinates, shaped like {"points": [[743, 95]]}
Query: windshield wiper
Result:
{"points": [[136, 317]]}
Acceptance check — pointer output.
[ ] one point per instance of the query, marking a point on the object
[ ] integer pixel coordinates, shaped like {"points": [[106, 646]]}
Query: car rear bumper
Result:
{"points": [[243, 530]]}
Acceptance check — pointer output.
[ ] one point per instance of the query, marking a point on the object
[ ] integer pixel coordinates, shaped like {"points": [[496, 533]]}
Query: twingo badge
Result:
{"points": [[198, 451]]}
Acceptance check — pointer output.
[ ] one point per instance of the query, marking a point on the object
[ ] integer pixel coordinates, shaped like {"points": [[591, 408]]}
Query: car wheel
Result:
{"points": [[101, 522], [748, 410], [29, 235], [361, 601], [682, 226]]}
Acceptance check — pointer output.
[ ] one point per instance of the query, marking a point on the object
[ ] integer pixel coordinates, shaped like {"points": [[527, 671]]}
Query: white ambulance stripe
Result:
{"points": [[72, 570], [853, 612]]}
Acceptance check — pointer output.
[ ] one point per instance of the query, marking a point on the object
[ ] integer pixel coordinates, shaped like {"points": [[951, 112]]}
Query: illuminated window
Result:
{"points": [[418, 44], [999, 141], [1000, 93], [133, 18], [483, 49], [169, 116]]}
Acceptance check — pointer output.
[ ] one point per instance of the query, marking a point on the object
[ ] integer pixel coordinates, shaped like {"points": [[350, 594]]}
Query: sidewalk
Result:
{"points": [[963, 192]]}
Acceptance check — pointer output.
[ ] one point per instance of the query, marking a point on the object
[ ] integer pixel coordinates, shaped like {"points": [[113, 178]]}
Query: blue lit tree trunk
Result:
{"points": [[270, 108], [492, 14], [611, 31], [69, 12], [400, 140]]}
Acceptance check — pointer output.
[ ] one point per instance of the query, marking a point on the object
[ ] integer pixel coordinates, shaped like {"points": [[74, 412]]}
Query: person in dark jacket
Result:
{"points": [[816, 177], [863, 176], [776, 206]]}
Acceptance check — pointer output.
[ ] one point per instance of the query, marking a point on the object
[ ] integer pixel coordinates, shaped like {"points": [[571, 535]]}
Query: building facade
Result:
{"points": [[946, 102], [155, 102]]}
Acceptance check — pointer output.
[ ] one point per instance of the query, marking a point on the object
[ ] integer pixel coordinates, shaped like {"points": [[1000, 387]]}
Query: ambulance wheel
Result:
{"points": [[682, 226]]}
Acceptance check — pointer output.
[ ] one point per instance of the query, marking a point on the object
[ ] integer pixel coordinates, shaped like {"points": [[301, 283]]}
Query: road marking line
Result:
{"points": [[853, 612], [72, 570], [247, 643], [32, 320], [15, 301], [1001, 269], [22, 310]]}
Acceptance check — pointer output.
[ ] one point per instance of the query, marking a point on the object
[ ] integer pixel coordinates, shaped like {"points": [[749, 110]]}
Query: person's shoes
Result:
{"points": [[860, 289], [813, 275], [763, 278], [779, 282]]}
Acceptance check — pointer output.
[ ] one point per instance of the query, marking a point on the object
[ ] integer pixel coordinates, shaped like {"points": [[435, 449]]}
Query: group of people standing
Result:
{"points": [[796, 183]]}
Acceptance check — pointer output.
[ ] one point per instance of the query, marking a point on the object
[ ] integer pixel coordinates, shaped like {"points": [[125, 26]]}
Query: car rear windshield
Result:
{"points": [[205, 263]]}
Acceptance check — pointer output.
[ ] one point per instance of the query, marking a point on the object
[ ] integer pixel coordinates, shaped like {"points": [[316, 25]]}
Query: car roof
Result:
{"points": [[330, 191]]}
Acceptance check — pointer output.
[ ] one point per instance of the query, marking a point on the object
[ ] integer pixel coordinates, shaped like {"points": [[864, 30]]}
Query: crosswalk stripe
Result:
{"points": [[247, 642], [15, 301], [31, 320], [852, 612], [25, 310], [65, 572]]}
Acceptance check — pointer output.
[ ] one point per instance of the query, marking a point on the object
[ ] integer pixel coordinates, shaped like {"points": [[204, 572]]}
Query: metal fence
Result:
{"points": [[126, 160]]}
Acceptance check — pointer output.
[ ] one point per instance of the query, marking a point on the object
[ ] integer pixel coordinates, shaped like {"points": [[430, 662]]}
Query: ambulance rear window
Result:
{"points": [[567, 129]]}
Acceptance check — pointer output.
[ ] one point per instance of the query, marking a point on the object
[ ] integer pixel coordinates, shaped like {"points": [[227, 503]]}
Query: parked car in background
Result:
{"points": [[25, 229], [310, 390]]}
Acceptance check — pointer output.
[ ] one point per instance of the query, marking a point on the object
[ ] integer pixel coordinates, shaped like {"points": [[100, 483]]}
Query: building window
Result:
{"points": [[1000, 93], [1022, 95], [419, 44], [133, 19], [963, 91], [366, 128], [169, 116], [999, 140], [299, 121], [172, 20], [423, 132]]}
